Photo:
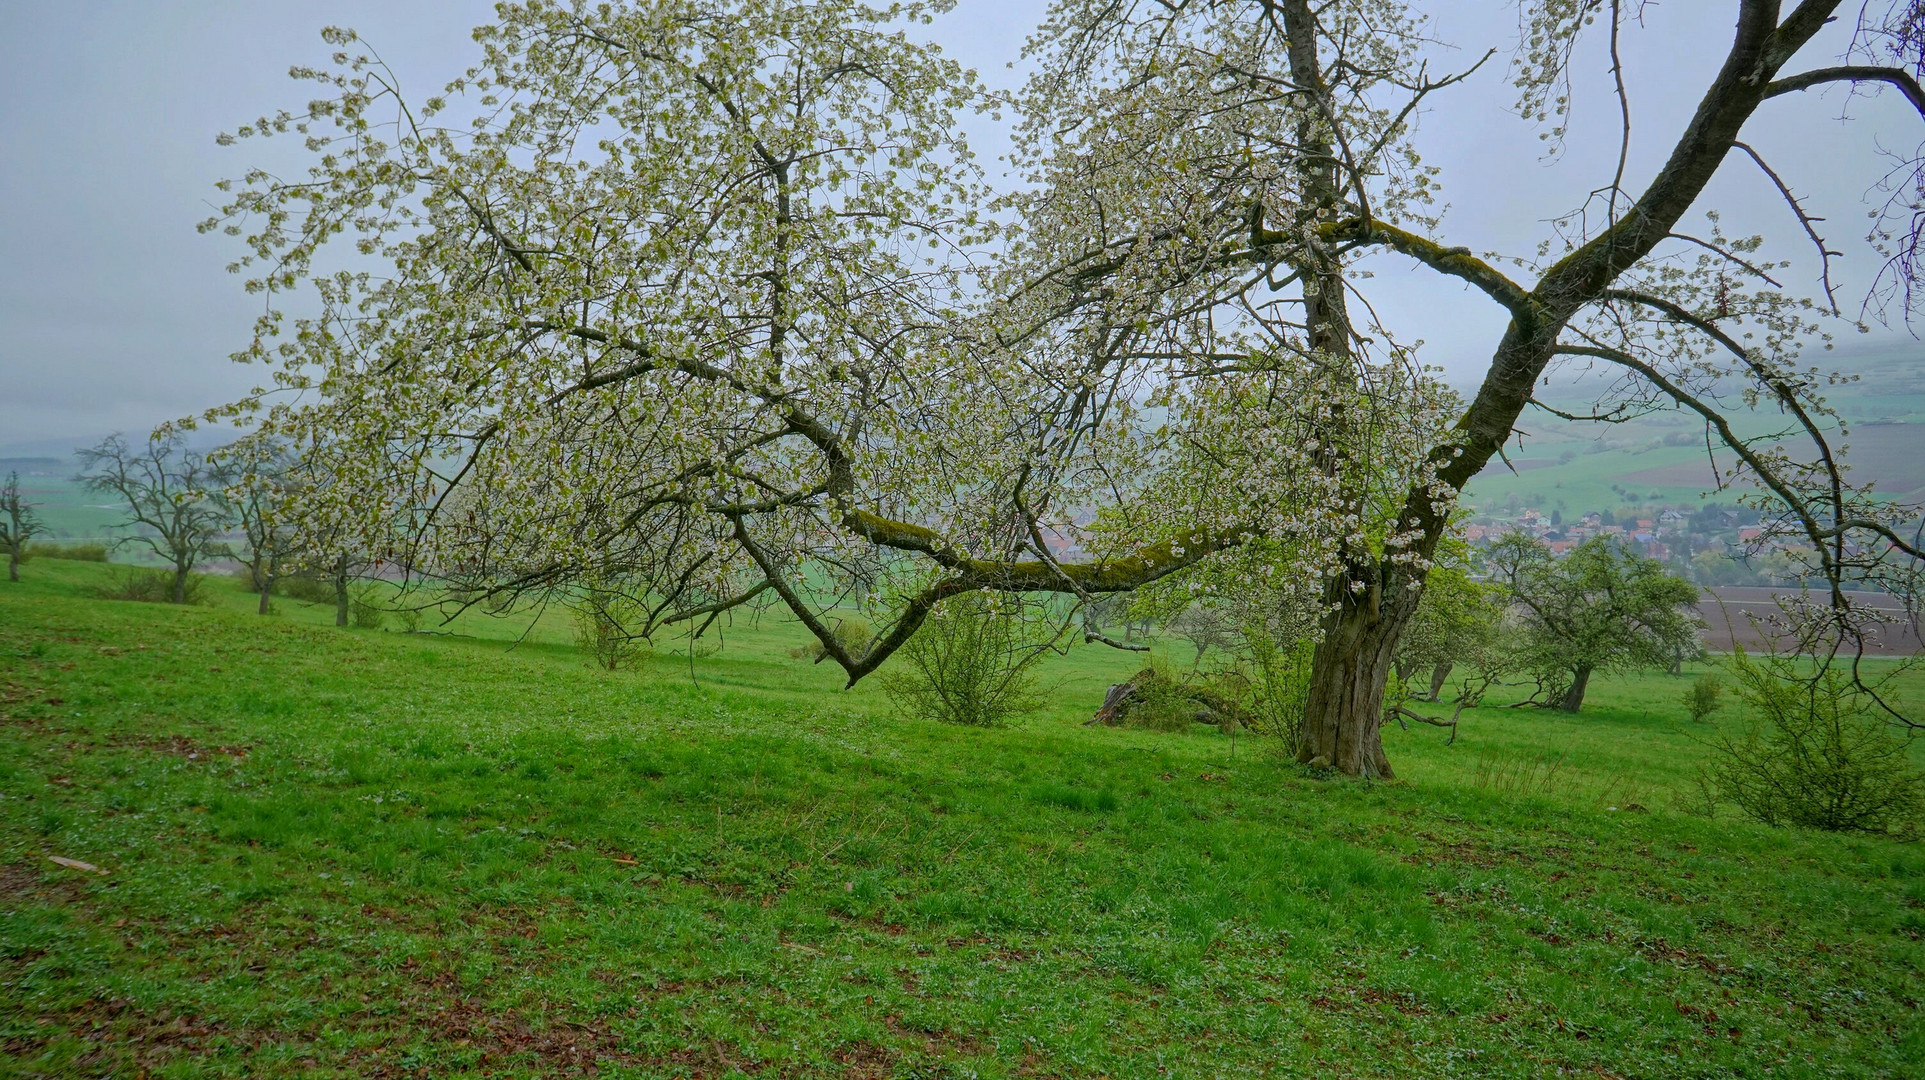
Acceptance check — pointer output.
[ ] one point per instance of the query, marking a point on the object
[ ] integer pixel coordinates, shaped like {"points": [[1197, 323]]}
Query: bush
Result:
{"points": [[1274, 680], [306, 590], [151, 587], [601, 629], [852, 632], [76, 552], [1704, 697], [409, 618], [972, 662], [365, 609], [1814, 753]]}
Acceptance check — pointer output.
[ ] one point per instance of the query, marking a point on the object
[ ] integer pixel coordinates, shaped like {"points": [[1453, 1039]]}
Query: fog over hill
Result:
{"points": [[1662, 456]]}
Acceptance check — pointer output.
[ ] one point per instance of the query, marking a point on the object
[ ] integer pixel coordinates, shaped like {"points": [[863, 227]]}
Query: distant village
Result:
{"points": [[1709, 544]]}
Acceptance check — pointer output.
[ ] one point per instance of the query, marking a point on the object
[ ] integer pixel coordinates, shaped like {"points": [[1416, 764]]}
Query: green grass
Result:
{"points": [[350, 853], [66, 509]]}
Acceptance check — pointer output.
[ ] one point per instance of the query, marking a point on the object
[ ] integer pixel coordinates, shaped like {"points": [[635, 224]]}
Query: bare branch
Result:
{"points": [[1852, 73]]}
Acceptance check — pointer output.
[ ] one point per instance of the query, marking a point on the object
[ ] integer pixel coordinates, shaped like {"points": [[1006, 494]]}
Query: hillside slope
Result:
{"points": [[353, 853]]}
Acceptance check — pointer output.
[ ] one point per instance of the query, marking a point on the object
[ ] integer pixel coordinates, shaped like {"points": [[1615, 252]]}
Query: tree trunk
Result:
{"points": [[341, 593], [1573, 699], [180, 584], [1347, 682], [1344, 714], [13, 563], [270, 572], [1438, 676], [1344, 710]]}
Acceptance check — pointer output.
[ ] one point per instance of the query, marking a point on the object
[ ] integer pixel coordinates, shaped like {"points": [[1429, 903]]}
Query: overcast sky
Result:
{"points": [[115, 314]]}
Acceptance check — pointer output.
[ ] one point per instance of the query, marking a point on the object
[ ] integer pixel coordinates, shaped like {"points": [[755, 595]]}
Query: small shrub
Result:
{"points": [[409, 618], [306, 590], [365, 609], [602, 619], [82, 552], [1161, 701], [151, 587], [1704, 697], [972, 662], [852, 632], [1815, 754], [1275, 681]]}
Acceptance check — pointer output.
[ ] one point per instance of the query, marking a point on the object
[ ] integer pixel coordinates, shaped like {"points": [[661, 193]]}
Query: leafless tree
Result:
{"points": [[18, 523], [169, 492]]}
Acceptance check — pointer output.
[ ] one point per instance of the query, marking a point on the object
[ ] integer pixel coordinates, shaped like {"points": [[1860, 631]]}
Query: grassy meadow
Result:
{"points": [[360, 853]]}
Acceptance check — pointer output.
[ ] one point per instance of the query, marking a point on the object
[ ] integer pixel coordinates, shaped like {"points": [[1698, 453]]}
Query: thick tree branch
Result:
{"points": [[1457, 262], [1852, 73]]}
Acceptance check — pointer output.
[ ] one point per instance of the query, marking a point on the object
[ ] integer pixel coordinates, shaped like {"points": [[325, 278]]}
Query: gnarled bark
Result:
{"points": [[1344, 712]]}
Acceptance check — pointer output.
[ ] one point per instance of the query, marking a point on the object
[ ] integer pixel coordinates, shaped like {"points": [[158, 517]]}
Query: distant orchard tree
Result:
{"points": [[325, 546], [254, 476], [169, 493], [18, 523], [1600, 607], [1459, 622]]}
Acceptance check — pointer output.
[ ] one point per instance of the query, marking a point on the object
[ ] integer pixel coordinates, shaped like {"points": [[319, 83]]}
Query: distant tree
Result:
{"points": [[254, 477], [18, 523], [334, 558], [170, 496], [1458, 622], [1600, 607], [315, 542], [1208, 626]]}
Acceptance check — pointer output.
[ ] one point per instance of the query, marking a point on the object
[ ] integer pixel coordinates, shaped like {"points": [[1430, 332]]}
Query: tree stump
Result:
{"points": [[1115, 702]]}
